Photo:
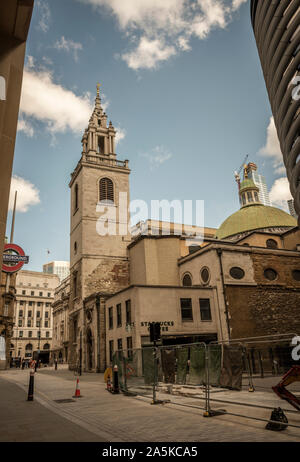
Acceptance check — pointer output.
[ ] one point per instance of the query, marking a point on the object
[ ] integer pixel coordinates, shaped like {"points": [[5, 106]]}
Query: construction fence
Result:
{"points": [[223, 365], [246, 365]]}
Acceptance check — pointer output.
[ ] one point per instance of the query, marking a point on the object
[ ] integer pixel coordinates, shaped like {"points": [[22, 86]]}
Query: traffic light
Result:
{"points": [[154, 331]]}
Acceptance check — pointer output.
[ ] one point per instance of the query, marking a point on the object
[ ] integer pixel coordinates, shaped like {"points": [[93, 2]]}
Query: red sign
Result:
{"points": [[13, 249]]}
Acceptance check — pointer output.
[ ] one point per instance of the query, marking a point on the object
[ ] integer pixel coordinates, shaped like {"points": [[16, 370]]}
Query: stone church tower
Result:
{"points": [[98, 262]]}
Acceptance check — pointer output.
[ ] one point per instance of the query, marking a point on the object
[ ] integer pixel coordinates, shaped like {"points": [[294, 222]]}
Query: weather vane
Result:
{"points": [[98, 88]]}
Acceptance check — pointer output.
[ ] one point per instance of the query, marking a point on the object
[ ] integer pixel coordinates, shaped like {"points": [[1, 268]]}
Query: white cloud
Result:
{"points": [[148, 54], [161, 29], [280, 192], [26, 127], [120, 135], [44, 100], [27, 194], [157, 156], [237, 3], [44, 15], [272, 148], [59, 108], [69, 46]]}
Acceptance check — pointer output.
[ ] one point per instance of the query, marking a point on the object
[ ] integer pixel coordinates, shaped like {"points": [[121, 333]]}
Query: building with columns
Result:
{"points": [[33, 313], [7, 303], [60, 330]]}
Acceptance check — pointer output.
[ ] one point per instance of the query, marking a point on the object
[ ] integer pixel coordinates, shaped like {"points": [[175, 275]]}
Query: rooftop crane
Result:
{"points": [[237, 173]]}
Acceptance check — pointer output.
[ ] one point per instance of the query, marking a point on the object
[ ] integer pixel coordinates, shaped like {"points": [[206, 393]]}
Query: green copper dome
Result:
{"points": [[248, 184], [253, 217]]}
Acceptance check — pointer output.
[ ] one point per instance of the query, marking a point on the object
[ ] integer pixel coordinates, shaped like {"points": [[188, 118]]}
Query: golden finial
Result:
{"points": [[98, 88]]}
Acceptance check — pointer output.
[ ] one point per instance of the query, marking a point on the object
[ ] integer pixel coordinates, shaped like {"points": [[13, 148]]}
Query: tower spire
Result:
{"points": [[99, 138]]}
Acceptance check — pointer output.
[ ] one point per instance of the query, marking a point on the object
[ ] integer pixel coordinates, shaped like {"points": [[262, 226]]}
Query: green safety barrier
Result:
{"points": [[148, 365], [215, 360], [182, 355], [197, 365]]}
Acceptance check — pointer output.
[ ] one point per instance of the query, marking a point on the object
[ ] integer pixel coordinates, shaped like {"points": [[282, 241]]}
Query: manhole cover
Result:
{"points": [[61, 401]]}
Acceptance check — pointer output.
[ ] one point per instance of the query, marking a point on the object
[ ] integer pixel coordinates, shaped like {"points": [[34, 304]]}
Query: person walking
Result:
{"points": [[23, 363]]}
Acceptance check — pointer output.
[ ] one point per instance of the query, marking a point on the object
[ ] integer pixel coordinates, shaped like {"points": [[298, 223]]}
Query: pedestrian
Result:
{"points": [[55, 362], [23, 363]]}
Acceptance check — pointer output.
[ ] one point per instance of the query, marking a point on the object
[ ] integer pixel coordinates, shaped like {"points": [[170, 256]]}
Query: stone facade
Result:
{"points": [[60, 311], [7, 300], [98, 261], [199, 290], [256, 305], [33, 314]]}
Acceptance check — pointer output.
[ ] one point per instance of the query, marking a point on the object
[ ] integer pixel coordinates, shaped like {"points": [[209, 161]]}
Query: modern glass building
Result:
{"points": [[276, 26], [260, 182], [61, 268]]}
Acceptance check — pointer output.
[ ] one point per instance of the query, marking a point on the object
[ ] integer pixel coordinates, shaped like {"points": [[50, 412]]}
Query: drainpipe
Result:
{"points": [[219, 253], [98, 332]]}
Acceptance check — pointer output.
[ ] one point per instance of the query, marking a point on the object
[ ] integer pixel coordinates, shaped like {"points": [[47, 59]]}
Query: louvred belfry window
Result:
{"points": [[106, 190]]}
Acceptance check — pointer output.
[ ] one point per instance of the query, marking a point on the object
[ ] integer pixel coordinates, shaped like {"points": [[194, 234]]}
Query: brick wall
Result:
{"points": [[263, 310], [110, 276], [271, 307]]}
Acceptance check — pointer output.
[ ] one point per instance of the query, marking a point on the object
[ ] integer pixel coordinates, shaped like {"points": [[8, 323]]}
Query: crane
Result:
{"points": [[237, 173]]}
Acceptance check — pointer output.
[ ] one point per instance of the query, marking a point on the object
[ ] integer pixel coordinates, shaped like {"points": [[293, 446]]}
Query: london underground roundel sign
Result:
{"points": [[13, 258]]}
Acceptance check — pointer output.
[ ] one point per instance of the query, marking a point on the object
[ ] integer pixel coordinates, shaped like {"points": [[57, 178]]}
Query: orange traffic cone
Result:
{"points": [[77, 390]]}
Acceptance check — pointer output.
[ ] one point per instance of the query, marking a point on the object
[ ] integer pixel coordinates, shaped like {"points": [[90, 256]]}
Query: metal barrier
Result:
{"points": [[218, 364]]}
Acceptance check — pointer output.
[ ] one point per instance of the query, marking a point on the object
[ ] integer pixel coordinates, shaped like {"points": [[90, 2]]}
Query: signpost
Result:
{"points": [[13, 258]]}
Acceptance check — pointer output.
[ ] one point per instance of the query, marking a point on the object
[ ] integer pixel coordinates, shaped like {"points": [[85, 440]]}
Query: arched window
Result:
{"points": [[46, 346], [106, 190], [272, 244], [187, 280], [28, 347], [76, 197]]}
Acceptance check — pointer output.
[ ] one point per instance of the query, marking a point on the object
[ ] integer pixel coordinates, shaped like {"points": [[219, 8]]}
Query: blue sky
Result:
{"points": [[182, 82]]}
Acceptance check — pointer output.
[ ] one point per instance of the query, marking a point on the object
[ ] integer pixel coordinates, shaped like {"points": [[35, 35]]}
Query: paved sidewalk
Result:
{"points": [[23, 421], [122, 418]]}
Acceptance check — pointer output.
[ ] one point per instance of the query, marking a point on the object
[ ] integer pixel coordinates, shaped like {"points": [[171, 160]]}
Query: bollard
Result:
{"points": [[108, 384], [31, 386], [115, 379]]}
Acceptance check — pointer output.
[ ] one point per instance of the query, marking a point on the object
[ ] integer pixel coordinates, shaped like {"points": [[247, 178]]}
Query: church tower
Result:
{"points": [[99, 224]]}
